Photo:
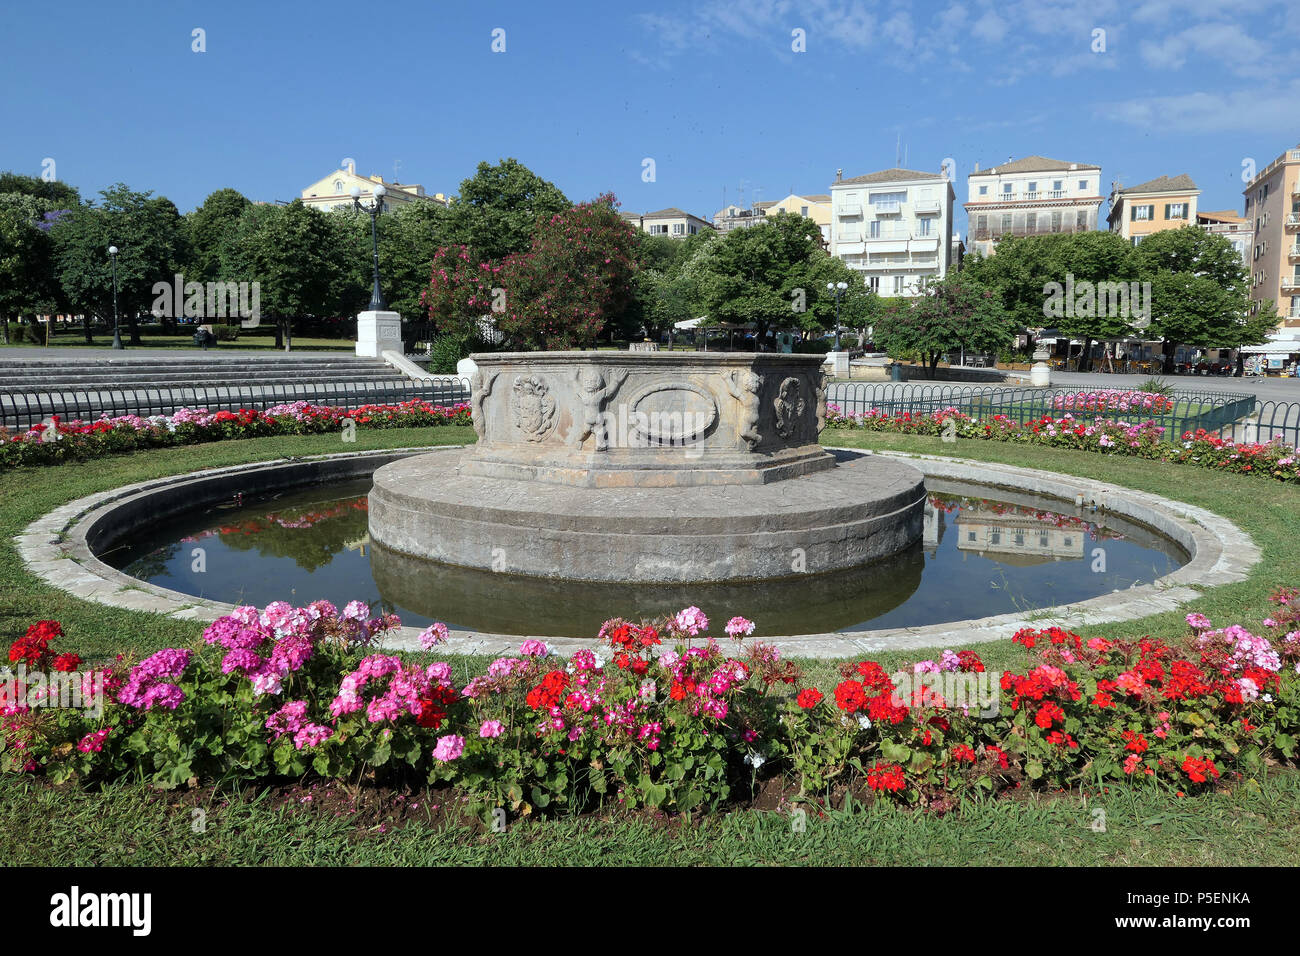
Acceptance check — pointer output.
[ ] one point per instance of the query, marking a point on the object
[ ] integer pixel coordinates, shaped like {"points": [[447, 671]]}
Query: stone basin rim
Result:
{"points": [[1220, 553]]}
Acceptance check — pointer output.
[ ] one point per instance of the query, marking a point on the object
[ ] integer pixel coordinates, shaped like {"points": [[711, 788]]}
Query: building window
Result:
{"points": [[970, 535], [1069, 542], [1042, 541], [1176, 210], [984, 190], [1081, 220], [874, 231], [1142, 213], [679, 229], [1006, 189], [338, 186], [898, 285], [1031, 221], [995, 538], [1006, 222], [1058, 185], [1083, 185], [873, 283], [803, 210], [981, 223], [1056, 221], [923, 227]]}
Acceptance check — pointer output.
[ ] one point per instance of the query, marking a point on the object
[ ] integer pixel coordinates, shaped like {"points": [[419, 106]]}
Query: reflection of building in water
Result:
{"points": [[932, 527], [1017, 538], [360, 544]]}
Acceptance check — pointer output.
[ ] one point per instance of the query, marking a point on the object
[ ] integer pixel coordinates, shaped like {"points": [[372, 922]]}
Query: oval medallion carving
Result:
{"points": [[672, 413]]}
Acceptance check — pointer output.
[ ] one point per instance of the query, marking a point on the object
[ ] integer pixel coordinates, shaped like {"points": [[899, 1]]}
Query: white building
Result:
{"points": [[895, 227], [335, 191], [1030, 197]]}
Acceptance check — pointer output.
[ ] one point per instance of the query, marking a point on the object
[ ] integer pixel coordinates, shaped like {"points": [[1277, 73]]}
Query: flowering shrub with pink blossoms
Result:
{"points": [[78, 440], [665, 716], [1107, 436]]}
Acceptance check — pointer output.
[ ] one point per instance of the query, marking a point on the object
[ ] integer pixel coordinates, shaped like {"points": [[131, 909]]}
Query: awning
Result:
{"points": [[1272, 348]]}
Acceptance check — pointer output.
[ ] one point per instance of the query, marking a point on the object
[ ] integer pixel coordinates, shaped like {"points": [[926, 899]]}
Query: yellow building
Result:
{"points": [[1167, 202], [335, 191], [816, 207]]}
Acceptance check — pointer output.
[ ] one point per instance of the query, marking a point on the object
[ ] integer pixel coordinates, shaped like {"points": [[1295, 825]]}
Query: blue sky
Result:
{"points": [[584, 92]]}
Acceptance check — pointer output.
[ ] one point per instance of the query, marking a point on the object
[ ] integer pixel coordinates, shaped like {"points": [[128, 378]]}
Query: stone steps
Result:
{"points": [[151, 373]]}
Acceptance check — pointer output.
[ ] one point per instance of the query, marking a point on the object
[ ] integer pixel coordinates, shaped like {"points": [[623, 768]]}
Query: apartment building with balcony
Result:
{"points": [[1166, 202], [671, 222], [736, 217], [1233, 227], [895, 227], [1273, 208], [1029, 197]]}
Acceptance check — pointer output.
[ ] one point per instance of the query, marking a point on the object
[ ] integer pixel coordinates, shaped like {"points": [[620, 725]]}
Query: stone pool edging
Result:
{"points": [[58, 548]]}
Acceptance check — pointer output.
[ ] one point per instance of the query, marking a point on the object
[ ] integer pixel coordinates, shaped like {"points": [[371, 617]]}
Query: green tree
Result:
{"points": [[151, 245], [299, 258], [208, 227], [953, 313], [499, 208], [53, 194], [761, 274], [1199, 290]]}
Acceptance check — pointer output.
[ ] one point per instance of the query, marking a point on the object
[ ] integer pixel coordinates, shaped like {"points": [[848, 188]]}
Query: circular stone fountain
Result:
{"points": [[648, 467]]}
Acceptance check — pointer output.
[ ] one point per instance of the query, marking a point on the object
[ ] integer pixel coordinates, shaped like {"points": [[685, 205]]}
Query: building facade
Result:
{"points": [[1236, 229], [816, 207], [736, 217], [1029, 197], [1167, 202], [335, 191], [1273, 208], [670, 222], [894, 227]]}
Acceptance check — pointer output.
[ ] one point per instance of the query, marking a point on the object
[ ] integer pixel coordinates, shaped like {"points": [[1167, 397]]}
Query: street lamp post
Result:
{"points": [[117, 330], [838, 289], [377, 303]]}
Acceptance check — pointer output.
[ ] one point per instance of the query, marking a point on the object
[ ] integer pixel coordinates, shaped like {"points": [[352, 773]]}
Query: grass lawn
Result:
{"points": [[1249, 823]]}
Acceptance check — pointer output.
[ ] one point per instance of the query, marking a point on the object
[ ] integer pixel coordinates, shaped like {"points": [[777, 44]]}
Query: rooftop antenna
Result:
{"points": [[396, 163], [898, 150]]}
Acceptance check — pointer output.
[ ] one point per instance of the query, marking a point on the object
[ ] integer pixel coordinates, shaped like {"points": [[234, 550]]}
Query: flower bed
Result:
{"points": [[1113, 400], [1105, 435], [80, 440], [302, 692]]}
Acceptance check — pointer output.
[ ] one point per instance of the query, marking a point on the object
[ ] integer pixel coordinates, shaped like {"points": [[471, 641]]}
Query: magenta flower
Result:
{"points": [[449, 748], [490, 728]]}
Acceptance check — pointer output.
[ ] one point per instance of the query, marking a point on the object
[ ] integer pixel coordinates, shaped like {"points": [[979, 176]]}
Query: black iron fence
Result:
{"points": [[23, 409], [1213, 411], [1272, 420]]}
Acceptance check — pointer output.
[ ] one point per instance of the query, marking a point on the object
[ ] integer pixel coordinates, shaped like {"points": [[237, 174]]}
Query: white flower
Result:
{"points": [[864, 722], [1267, 698], [755, 760]]}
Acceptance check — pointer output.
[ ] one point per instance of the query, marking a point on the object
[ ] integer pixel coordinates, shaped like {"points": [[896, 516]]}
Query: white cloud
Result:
{"points": [[1264, 110], [1227, 43], [990, 27]]}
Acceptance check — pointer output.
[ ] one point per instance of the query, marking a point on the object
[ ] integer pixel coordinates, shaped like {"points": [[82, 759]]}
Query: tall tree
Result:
{"points": [[499, 208], [208, 226], [298, 257], [1199, 290], [758, 275], [150, 240], [954, 312]]}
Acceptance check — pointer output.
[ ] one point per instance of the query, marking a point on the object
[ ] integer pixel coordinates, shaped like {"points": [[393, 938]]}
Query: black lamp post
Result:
{"points": [[117, 331], [377, 303], [838, 288]]}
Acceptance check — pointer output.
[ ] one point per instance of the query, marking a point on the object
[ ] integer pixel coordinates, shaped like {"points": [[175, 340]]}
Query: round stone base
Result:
{"points": [[866, 508]]}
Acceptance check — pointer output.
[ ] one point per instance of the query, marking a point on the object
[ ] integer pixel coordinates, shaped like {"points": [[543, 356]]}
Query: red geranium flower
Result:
{"points": [[886, 776], [808, 698], [849, 696]]}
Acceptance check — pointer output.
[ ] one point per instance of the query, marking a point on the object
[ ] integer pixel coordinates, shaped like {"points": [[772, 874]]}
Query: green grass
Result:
{"points": [[127, 824], [1253, 823]]}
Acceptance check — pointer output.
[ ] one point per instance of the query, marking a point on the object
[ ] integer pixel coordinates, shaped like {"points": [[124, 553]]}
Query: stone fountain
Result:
{"points": [[648, 467]]}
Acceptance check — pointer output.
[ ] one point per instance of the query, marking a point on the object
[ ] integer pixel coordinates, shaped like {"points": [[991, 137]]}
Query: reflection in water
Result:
{"points": [[513, 604], [982, 552]]}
